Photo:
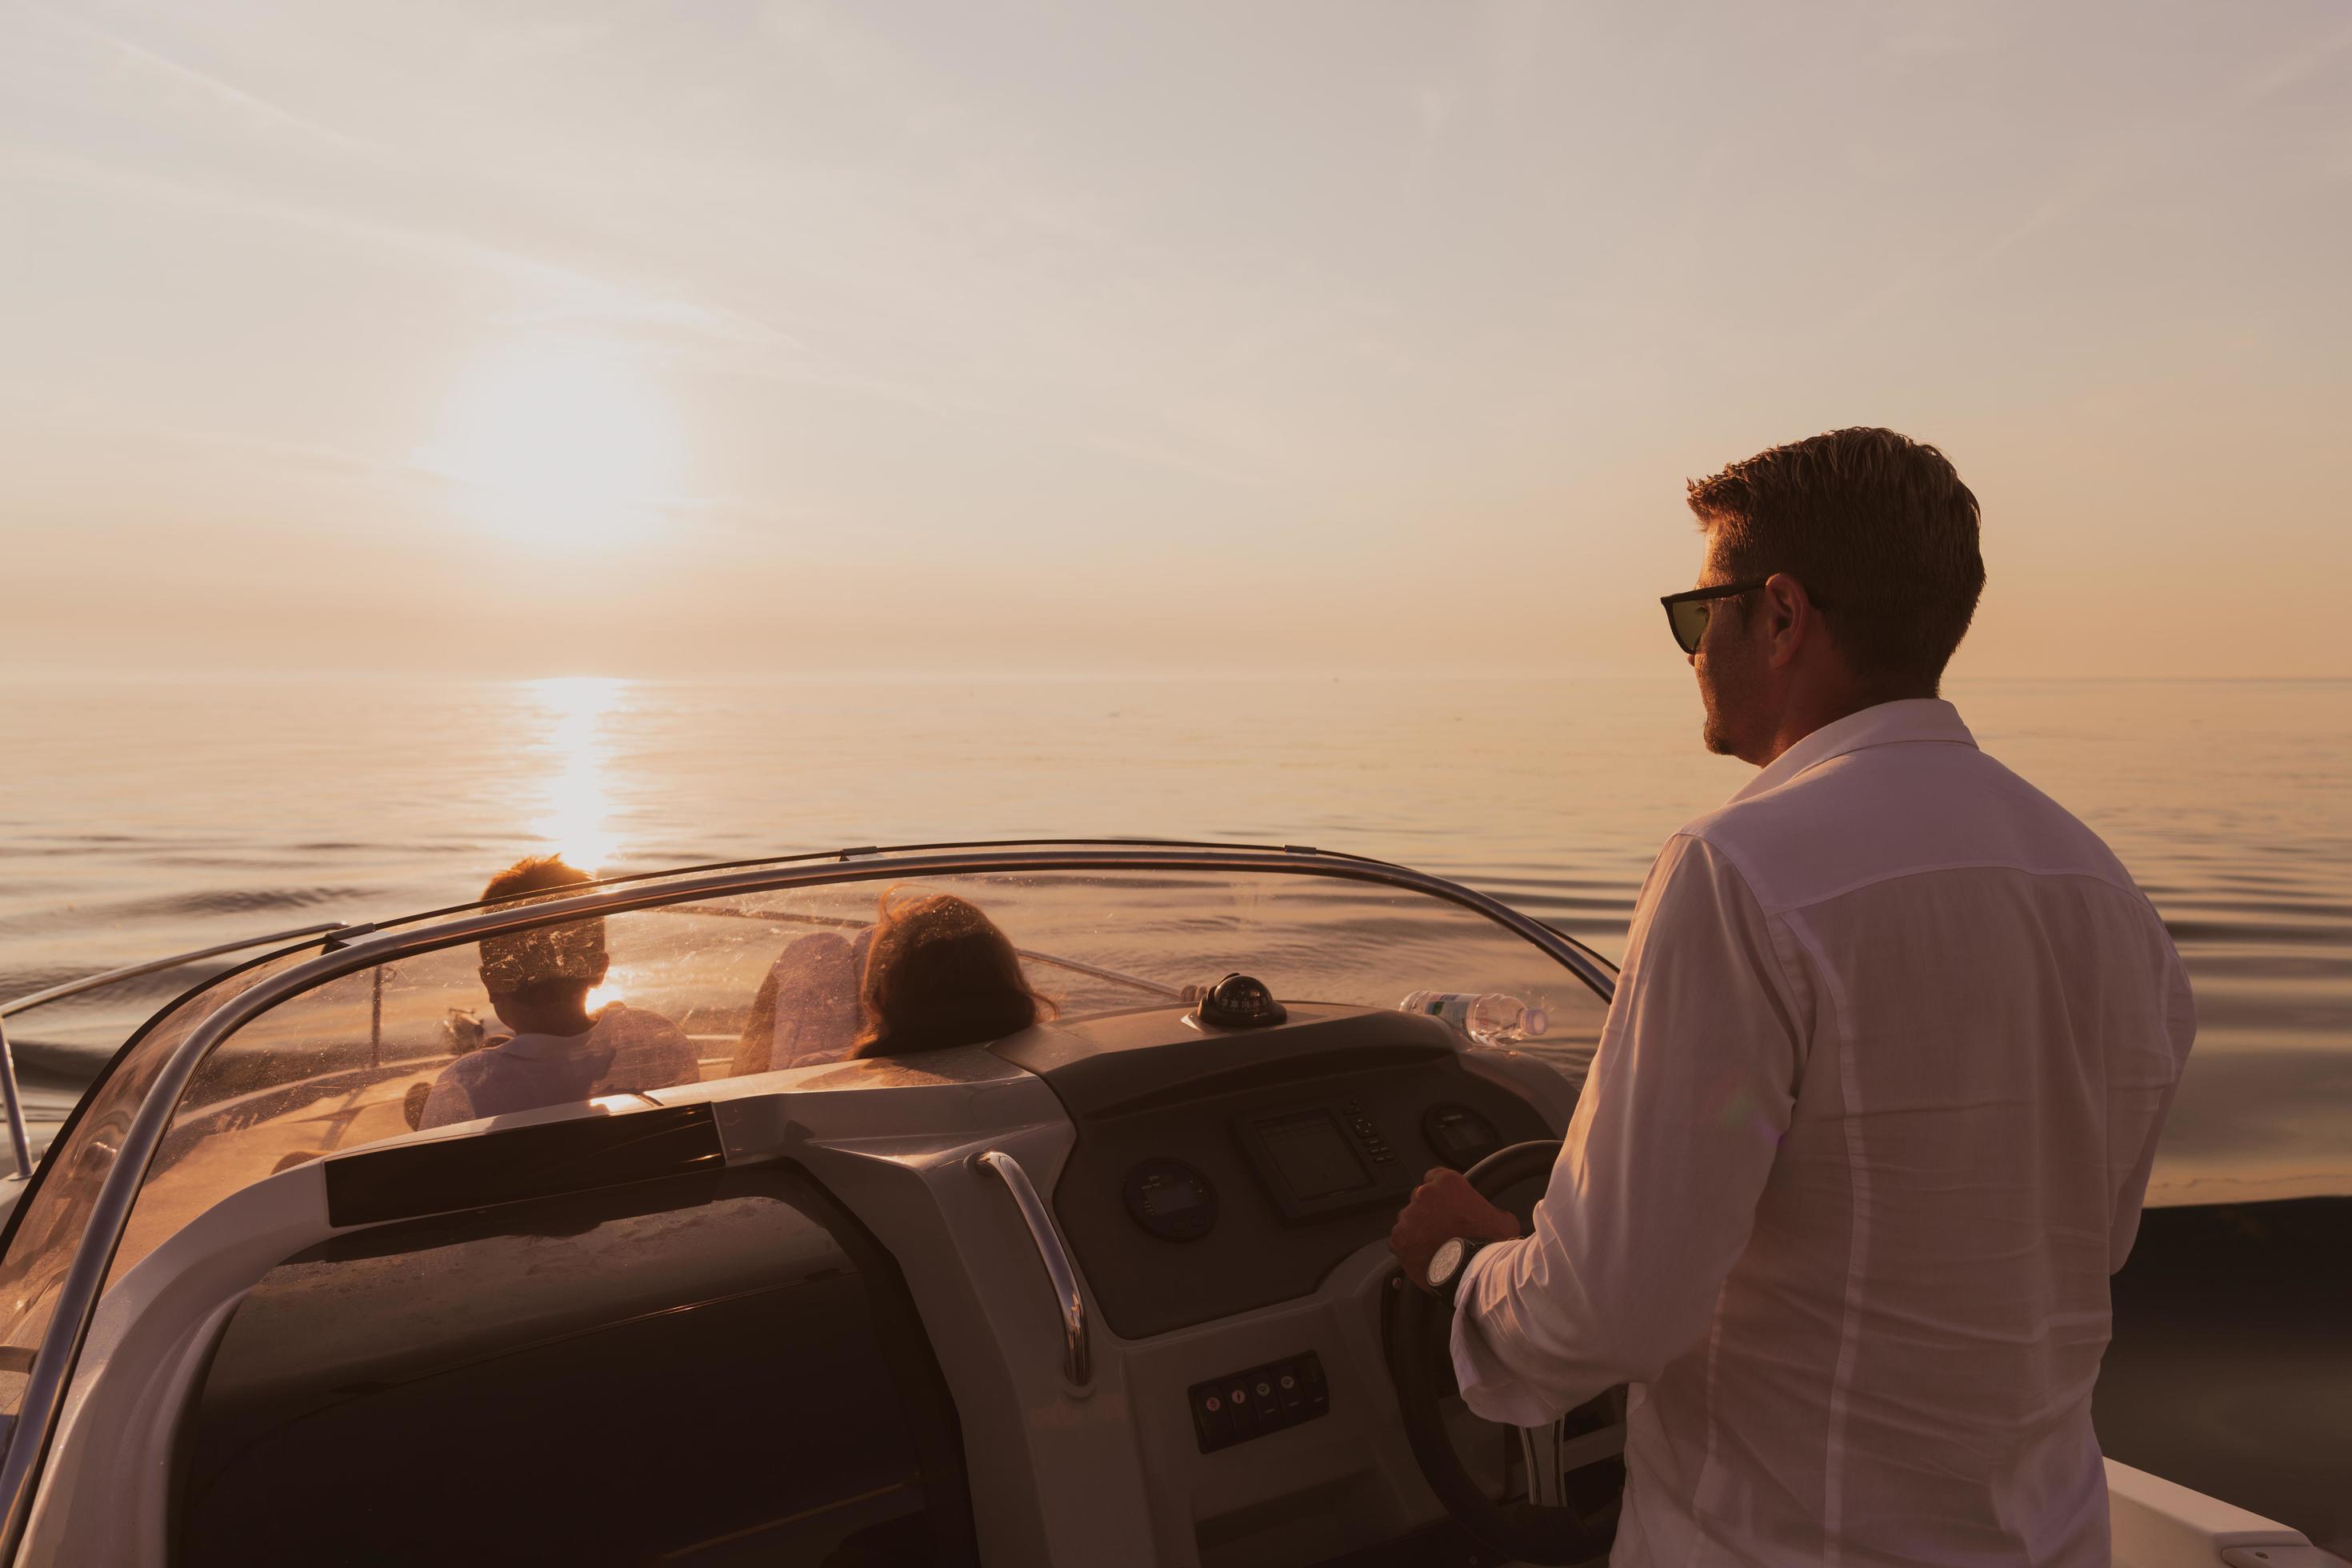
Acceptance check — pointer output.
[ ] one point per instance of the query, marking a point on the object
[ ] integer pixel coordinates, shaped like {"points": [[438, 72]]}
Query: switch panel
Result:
{"points": [[1229, 1410]]}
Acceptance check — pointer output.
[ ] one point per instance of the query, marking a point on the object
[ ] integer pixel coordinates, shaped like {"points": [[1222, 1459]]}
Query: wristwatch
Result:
{"points": [[1452, 1256]]}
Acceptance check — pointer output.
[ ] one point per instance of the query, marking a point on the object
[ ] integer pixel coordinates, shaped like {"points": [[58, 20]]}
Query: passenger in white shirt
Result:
{"points": [[1872, 1115], [539, 981]]}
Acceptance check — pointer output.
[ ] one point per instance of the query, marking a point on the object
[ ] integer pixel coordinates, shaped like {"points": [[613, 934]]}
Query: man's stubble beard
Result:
{"points": [[1711, 732], [1713, 739], [1723, 699]]}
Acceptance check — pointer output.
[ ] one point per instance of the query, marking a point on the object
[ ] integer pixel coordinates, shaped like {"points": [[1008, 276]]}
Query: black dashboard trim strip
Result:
{"points": [[544, 1159]]}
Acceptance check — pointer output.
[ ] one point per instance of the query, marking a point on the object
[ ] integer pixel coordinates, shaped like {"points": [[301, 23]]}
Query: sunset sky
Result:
{"points": [[772, 339]]}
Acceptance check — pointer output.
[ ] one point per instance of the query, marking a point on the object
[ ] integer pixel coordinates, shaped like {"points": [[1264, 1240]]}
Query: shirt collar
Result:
{"points": [[1913, 719], [542, 1048], [546, 1047]]}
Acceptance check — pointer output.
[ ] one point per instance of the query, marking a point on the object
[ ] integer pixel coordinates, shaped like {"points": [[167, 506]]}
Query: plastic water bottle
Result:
{"points": [[1488, 1017]]}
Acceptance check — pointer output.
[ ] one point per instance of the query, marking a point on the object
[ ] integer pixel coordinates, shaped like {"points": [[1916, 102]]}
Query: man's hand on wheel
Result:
{"points": [[1445, 1204]]}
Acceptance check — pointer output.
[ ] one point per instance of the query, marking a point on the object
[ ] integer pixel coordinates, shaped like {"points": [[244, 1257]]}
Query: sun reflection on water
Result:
{"points": [[577, 820]]}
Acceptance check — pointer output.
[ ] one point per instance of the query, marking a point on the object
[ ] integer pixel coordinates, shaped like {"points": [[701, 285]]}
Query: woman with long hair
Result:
{"points": [[939, 975]]}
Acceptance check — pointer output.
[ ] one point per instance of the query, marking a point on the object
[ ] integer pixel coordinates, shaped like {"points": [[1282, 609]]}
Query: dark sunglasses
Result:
{"points": [[1686, 614]]}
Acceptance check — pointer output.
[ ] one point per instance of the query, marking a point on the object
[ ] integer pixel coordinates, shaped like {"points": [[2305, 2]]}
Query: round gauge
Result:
{"points": [[1460, 1135], [1171, 1200]]}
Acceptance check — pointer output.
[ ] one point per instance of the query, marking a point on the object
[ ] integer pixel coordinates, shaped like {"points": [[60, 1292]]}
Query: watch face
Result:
{"points": [[1446, 1261]]}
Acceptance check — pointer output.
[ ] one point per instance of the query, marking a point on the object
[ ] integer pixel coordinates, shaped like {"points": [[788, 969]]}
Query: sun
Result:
{"points": [[559, 444]]}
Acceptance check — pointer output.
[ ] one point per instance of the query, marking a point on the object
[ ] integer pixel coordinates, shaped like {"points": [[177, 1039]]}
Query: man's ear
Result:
{"points": [[604, 966], [1789, 616]]}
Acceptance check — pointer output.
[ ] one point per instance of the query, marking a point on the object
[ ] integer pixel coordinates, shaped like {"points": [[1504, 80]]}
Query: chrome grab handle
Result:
{"points": [[1077, 1364]]}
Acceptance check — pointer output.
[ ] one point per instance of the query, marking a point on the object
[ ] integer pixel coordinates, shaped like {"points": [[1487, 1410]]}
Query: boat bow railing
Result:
{"points": [[19, 1143]]}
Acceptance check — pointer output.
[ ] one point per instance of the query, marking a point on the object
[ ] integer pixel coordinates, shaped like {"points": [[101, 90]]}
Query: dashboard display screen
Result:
{"points": [[1172, 1198], [1312, 1155]]}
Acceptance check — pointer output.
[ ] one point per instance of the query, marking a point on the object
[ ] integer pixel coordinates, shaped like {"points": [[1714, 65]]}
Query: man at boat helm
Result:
{"points": [[1872, 1117]]}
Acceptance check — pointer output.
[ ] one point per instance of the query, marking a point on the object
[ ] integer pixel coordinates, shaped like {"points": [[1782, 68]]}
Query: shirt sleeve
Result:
{"points": [[686, 1065], [1652, 1202], [450, 1103], [649, 1051]]}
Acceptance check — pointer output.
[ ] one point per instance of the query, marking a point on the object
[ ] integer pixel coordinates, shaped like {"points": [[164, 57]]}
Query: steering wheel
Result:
{"points": [[1575, 1468]]}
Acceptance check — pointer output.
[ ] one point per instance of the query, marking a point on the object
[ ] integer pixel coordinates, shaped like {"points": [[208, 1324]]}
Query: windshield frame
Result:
{"points": [[351, 948]]}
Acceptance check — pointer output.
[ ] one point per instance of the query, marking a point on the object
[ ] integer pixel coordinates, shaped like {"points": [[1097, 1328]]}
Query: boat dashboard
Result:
{"points": [[1215, 1173]]}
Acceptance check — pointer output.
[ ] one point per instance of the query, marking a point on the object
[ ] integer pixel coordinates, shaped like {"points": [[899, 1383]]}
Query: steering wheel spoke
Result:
{"points": [[1561, 1505], [1595, 1448], [1540, 1447]]}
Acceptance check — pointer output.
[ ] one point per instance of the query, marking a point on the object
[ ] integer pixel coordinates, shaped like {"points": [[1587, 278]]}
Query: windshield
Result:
{"points": [[775, 982], [50, 1217]]}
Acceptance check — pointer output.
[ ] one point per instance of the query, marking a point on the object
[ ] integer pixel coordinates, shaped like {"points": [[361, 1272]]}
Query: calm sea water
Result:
{"points": [[137, 819]]}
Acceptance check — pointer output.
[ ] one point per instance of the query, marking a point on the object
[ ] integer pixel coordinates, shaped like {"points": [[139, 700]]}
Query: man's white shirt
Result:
{"points": [[624, 1050], [1867, 1132]]}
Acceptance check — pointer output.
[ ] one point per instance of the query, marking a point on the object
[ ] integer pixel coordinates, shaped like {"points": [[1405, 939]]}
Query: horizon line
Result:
{"points": [[114, 676]]}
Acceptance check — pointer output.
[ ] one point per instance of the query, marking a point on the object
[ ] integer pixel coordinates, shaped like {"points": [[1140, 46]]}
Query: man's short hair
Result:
{"points": [[570, 955], [1876, 526], [533, 874]]}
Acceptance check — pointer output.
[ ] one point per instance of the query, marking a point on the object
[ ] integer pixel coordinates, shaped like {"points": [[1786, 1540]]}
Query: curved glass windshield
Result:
{"points": [[591, 1017], [50, 1217]]}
